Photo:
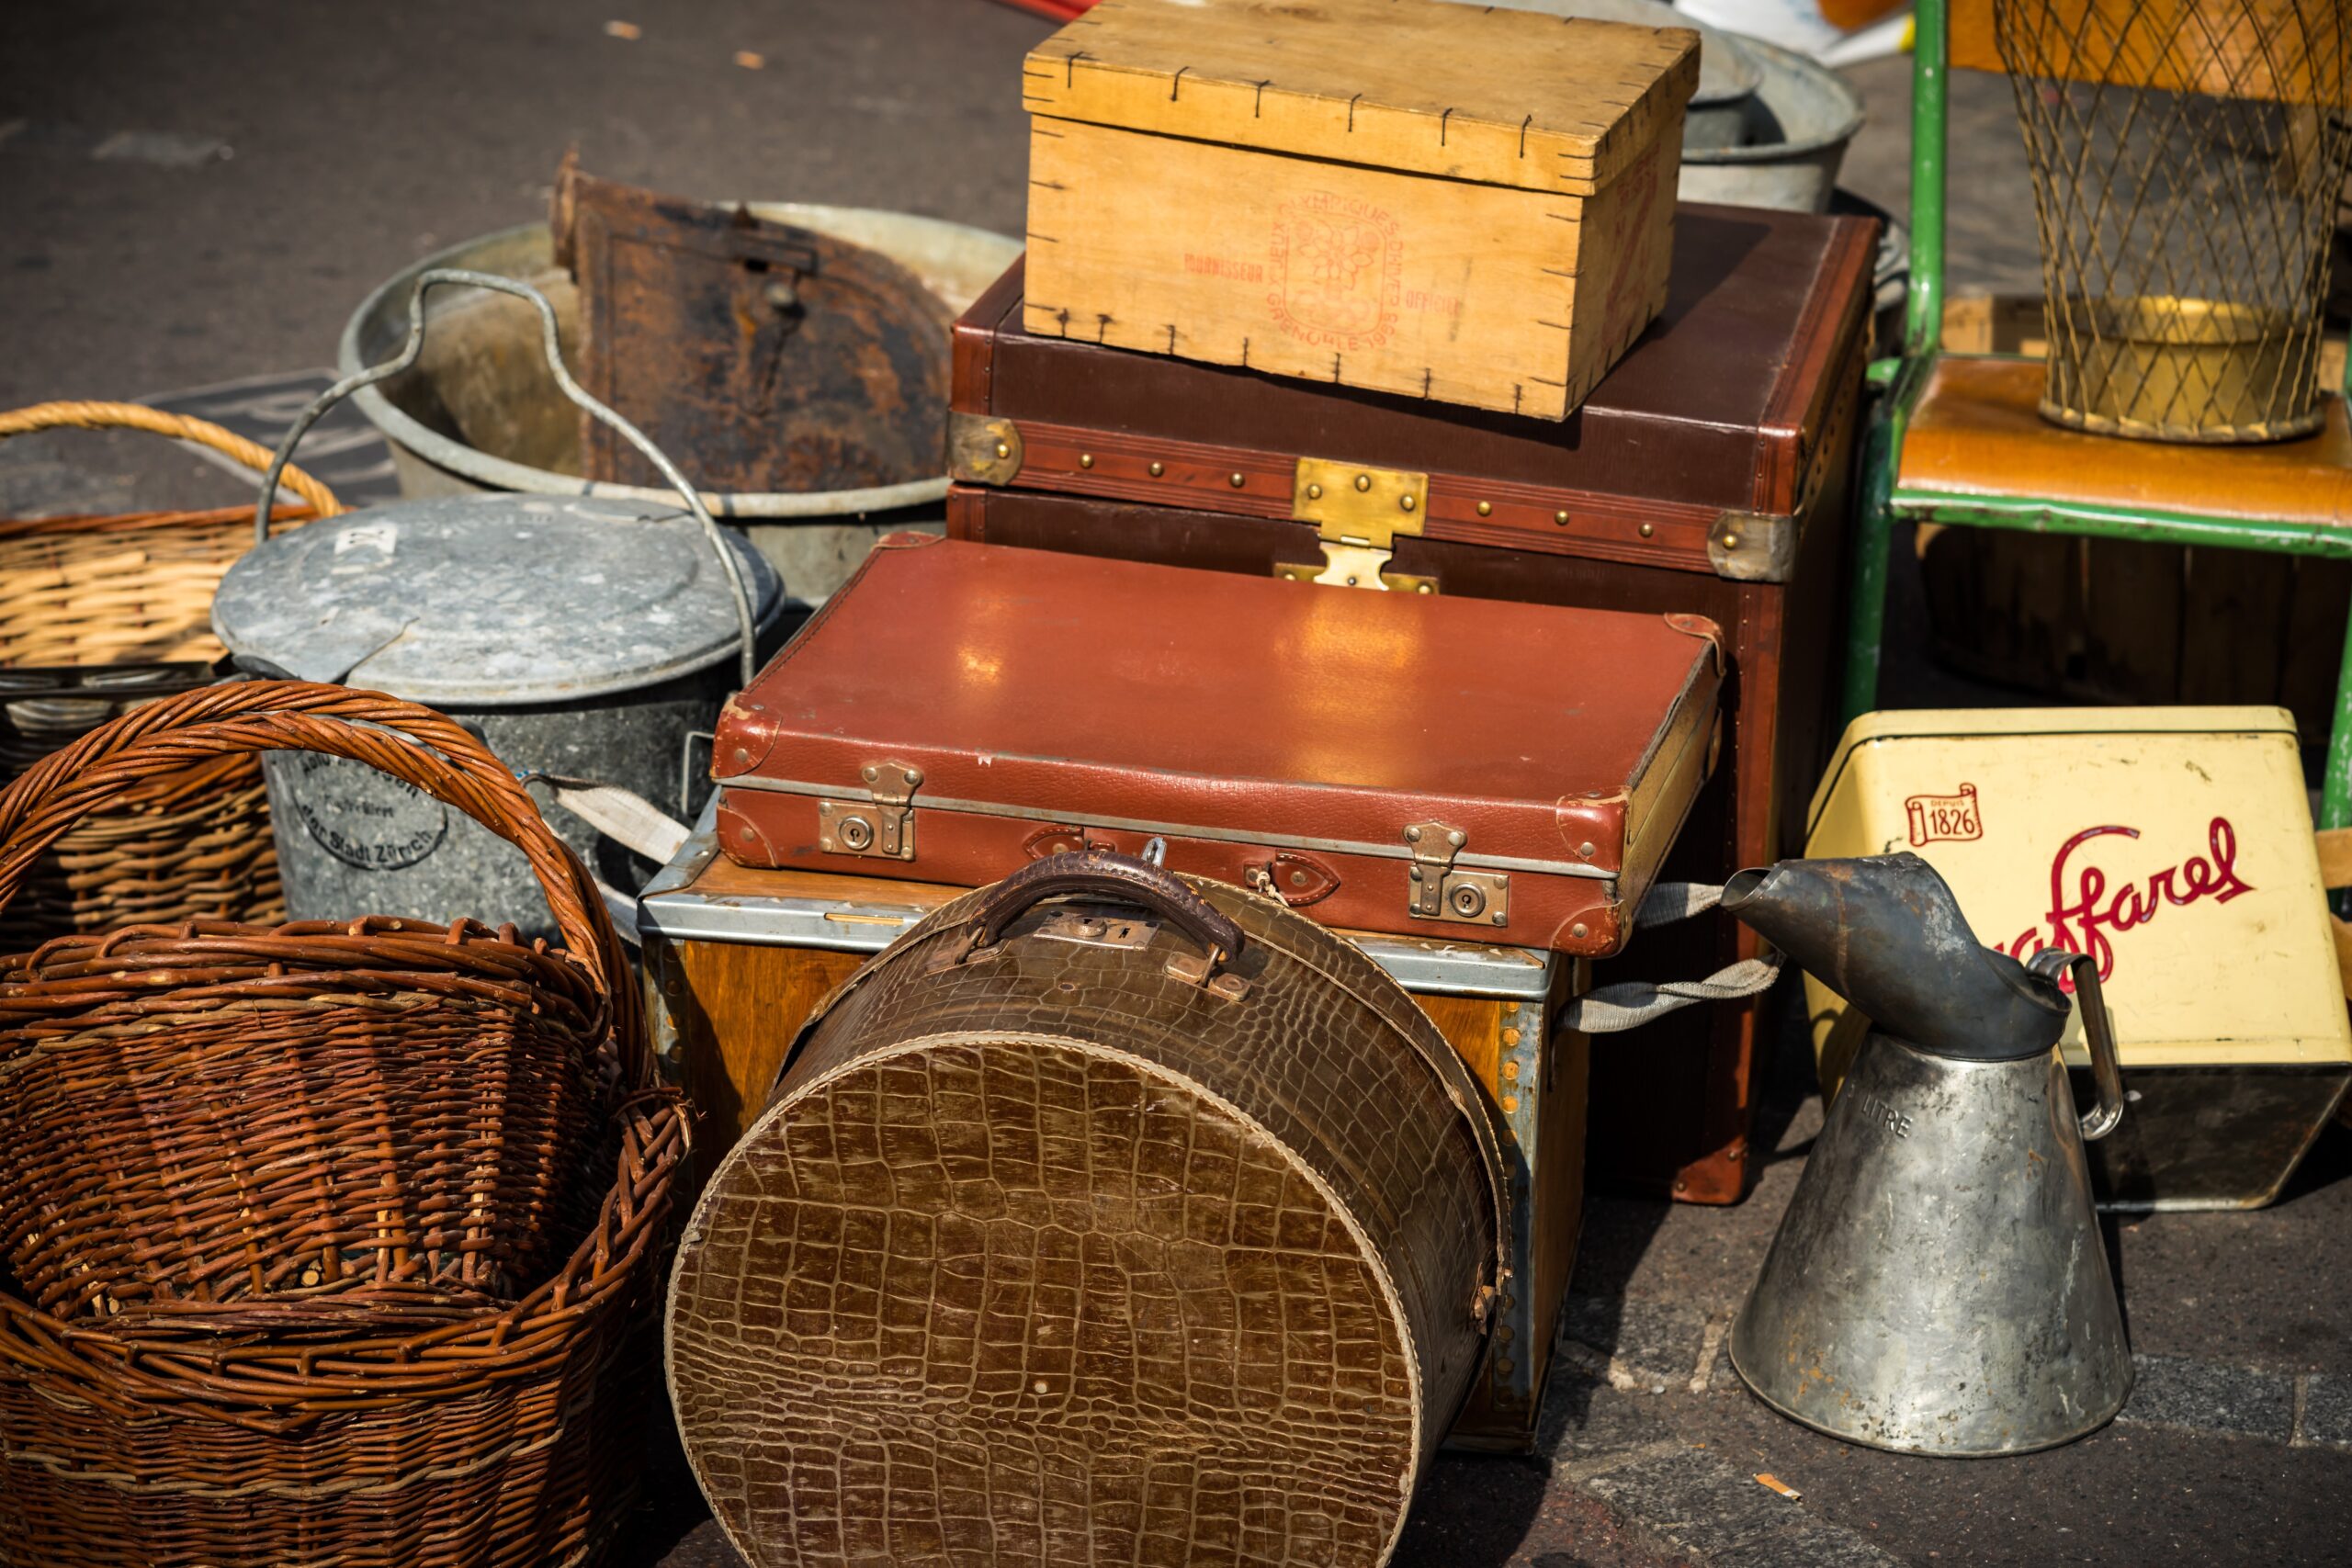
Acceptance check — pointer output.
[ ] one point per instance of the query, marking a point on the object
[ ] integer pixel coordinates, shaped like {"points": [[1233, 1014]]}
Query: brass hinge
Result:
{"points": [[1357, 513], [882, 826], [983, 450], [1435, 891]]}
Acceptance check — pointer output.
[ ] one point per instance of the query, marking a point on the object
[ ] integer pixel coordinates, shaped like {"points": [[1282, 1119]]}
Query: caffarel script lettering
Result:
{"points": [[2081, 919]]}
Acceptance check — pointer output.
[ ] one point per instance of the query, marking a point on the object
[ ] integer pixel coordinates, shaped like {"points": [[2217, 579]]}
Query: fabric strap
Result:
{"points": [[629, 820], [1613, 1008]]}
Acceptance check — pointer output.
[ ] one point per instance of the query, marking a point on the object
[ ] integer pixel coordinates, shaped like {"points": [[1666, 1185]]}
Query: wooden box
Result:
{"points": [[2173, 845], [736, 959], [1470, 206]]}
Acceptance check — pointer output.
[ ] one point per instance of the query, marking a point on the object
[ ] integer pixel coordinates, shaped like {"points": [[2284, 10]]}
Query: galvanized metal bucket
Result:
{"points": [[1767, 126], [477, 413], [583, 639], [1800, 120], [1717, 115]]}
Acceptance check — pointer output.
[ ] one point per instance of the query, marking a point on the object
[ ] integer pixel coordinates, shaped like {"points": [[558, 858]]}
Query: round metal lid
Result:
{"points": [[491, 601]]}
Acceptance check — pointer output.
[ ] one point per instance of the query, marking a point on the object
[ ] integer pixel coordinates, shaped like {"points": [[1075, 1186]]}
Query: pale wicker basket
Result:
{"points": [[93, 592]]}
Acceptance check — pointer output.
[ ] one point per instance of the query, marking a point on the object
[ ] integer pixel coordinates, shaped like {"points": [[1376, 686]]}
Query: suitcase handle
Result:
{"points": [[1108, 876]]}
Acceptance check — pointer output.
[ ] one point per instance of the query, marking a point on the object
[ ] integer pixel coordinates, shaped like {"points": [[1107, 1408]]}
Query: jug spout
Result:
{"points": [[1885, 932]]}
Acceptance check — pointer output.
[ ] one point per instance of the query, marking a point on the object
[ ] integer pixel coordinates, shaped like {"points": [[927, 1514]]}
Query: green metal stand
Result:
{"points": [[2335, 781], [1873, 545], [1901, 381]]}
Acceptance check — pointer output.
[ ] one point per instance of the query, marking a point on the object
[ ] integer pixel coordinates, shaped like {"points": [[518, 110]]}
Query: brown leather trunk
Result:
{"points": [[1711, 473], [958, 709], [1105, 1217]]}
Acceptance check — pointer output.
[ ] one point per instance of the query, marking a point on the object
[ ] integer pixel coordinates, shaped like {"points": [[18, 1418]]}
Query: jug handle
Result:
{"points": [[2099, 1034]]}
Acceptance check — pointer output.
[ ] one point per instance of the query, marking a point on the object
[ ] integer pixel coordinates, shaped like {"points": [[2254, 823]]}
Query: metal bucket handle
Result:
{"points": [[745, 620]]}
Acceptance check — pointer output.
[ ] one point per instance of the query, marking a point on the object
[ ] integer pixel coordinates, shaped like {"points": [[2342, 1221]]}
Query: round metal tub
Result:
{"points": [[478, 412], [1799, 119], [1717, 115]]}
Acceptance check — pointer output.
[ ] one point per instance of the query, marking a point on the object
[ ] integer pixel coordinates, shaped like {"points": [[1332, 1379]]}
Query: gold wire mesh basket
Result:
{"points": [[2187, 157]]}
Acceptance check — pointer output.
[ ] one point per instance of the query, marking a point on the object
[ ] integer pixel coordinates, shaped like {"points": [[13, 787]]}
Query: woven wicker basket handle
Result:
{"points": [[411, 743], [138, 416]]}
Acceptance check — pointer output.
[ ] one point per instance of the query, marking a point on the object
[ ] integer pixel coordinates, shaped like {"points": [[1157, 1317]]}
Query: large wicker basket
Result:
{"points": [[334, 1118], [504, 1439], [132, 590], [263, 1107]]}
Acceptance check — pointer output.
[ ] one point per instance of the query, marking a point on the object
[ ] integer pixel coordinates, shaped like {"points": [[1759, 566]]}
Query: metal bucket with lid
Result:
{"points": [[584, 638]]}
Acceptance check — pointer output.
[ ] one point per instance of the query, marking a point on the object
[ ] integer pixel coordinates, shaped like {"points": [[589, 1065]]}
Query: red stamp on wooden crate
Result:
{"points": [[1334, 270]]}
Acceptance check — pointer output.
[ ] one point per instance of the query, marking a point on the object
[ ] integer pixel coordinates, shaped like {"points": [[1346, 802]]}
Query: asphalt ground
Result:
{"points": [[195, 195]]}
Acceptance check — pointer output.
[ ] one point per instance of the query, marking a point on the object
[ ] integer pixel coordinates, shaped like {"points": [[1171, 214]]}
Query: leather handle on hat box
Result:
{"points": [[1106, 875]]}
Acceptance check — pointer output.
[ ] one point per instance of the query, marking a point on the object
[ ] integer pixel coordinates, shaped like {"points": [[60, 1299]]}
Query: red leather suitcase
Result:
{"points": [[958, 710], [1709, 473]]}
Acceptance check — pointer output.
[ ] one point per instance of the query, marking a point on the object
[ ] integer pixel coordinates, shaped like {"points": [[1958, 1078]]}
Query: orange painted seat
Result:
{"points": [[1976, 431]]}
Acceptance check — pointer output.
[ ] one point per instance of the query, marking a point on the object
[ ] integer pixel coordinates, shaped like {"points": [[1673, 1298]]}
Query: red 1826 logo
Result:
{"points": [[1942, 818]]}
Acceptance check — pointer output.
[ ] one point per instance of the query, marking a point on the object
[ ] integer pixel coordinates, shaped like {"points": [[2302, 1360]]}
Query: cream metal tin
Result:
{"points": [[2173, 845]]}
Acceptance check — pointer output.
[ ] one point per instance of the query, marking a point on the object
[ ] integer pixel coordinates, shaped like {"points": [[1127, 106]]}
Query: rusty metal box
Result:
{"points": [[2175, 846]]}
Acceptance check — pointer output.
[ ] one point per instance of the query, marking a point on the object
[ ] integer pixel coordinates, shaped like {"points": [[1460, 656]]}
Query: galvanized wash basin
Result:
{"points": [[1799, 119], [1767, 126], [479, 411]]}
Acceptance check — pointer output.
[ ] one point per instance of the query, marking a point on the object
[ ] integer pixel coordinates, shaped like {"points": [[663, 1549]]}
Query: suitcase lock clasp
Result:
{"points": [[1435, 891], [882, 826], [1357, 513]]}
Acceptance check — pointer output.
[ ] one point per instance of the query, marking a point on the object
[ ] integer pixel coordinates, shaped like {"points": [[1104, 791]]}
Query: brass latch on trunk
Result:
{"points": [[1357, 513], [882, 826], [1435, 891]]}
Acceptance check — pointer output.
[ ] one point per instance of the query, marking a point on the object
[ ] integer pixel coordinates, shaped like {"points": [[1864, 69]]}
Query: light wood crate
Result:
{"points": [[1474, 207]]}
